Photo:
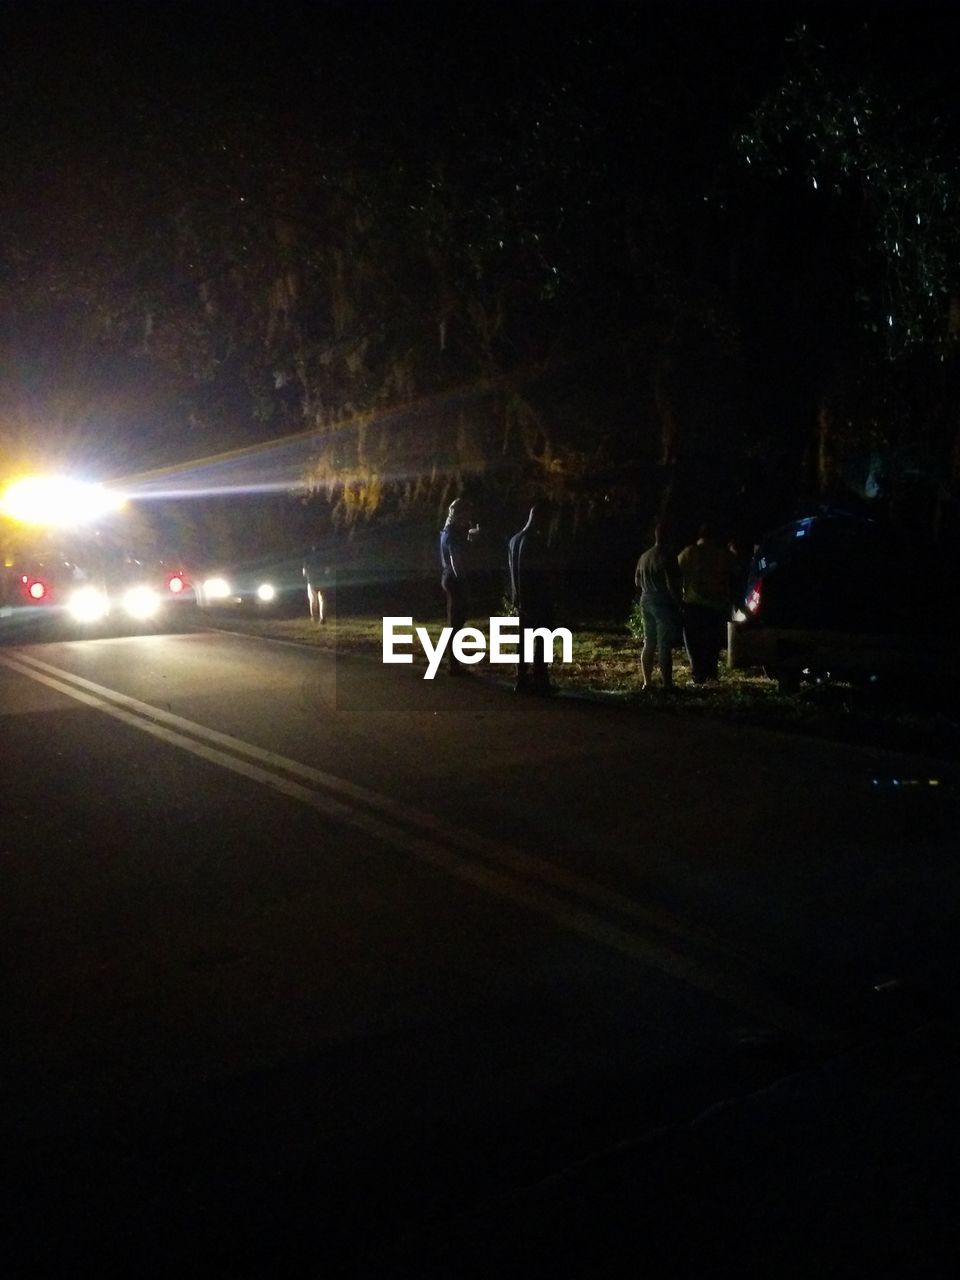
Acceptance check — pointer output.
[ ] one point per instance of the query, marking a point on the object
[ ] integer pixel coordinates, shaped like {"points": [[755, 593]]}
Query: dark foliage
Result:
{"points": [[643, 260]]}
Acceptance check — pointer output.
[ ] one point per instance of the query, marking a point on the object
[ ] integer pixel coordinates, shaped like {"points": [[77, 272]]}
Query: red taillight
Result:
{"points": [[176, 583], [37, 589], [753, 599]]}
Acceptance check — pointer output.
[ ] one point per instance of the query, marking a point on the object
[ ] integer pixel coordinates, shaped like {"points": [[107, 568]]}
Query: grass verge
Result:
{"points": [[605, 665]]}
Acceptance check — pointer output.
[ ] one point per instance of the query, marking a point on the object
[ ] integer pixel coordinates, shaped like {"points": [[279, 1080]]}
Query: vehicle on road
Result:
{"points": [[837, 596], [266, 585], [85, 583], [76, 554]]}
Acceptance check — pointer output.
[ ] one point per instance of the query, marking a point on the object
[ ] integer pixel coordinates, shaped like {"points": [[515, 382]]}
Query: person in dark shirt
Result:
{"points": [[658, 580], [532, 592], [709, 573], [455, 538]]}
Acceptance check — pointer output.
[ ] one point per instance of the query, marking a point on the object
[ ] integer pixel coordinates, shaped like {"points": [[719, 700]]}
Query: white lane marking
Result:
{"points": [[229, 752], [405, 814]]}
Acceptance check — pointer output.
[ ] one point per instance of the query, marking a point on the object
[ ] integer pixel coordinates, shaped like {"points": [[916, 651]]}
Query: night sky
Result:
{"points": [[566, 178]]}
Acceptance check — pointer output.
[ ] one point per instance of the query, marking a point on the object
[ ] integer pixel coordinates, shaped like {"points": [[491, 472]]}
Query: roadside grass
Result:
{"points": [[606, 666]]}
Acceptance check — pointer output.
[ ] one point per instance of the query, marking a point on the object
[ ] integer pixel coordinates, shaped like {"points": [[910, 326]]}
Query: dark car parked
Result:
{"points": [[835, 595]]}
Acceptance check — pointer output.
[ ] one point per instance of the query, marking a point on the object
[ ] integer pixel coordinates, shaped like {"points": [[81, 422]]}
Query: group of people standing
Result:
{"points": [[531, 586], [686, 598]]}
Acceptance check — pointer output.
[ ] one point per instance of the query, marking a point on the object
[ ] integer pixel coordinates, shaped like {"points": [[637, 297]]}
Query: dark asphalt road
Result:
{"points": [[301, 957]]}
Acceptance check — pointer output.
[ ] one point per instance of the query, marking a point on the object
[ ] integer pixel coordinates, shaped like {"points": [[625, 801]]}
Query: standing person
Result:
{"points": [[531, 591], [709, 572], [320, 577], [455, 538], [658, 581]]}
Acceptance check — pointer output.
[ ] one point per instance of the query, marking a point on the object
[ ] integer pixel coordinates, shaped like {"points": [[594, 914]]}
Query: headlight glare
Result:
{"points": [[216, 588], [266, 592], [141, 602], [87, 604]]}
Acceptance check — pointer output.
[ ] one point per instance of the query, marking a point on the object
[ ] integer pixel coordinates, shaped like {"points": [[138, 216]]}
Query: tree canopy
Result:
{"points": [[639, 260]]}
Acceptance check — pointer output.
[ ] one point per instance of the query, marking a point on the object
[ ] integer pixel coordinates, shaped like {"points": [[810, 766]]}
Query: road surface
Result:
{"points": [[305, 957]]}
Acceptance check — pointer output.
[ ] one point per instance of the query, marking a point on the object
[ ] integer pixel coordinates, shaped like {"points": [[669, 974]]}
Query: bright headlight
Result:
{"points": [[216, 588], [266, 592], [57, 501], [141, 602], [87, 604]]}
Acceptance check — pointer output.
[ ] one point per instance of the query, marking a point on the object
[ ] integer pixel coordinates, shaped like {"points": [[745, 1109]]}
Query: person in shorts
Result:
{"points": [[658, 580]]}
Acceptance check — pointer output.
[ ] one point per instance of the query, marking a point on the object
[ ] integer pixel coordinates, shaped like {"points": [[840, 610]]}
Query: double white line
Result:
{"points": [[650, 936]]}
